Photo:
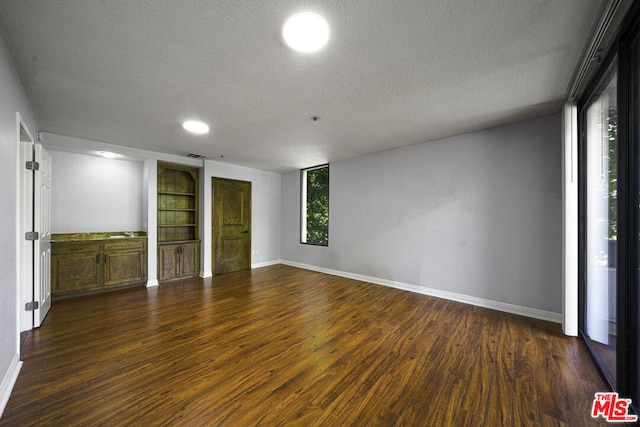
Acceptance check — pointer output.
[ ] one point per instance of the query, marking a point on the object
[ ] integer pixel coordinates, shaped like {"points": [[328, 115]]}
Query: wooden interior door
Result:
{"points": [[231, 225]]}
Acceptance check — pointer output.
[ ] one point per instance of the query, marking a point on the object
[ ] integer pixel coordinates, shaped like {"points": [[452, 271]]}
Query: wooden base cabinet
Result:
{"points": [[178, 260], [124, 262], [79, 267], [76, 267]]}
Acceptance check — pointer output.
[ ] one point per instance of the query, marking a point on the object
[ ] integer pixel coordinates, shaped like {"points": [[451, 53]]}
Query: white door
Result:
{"points": [[42, 225], [25, 251], [35, 217]]}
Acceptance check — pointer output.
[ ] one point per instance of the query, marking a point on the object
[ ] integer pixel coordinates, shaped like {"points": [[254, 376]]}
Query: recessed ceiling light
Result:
{"points": [[195, 126], [108, 154], [306, 32]]}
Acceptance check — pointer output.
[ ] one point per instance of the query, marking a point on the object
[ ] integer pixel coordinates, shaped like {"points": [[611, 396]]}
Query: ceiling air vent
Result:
{"points": [[196, 156]]}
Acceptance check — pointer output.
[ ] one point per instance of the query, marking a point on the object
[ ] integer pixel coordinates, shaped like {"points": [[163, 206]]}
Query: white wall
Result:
{"points": [[265, 215], [477, 215], [93, 194], [12, 100]]}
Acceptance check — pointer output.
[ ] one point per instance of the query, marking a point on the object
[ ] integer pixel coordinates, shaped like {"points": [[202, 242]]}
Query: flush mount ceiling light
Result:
{"points": [[108, 154], [196, 127], [306, 32]]}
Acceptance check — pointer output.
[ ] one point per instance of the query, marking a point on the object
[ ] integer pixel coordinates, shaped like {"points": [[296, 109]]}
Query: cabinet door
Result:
{"points": [[124, 267], [74, 272], [124, 262], [168, 262], [190, 259]]}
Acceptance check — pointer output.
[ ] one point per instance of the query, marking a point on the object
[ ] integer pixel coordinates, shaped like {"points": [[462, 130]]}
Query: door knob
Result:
{"points": [[245, 232]]}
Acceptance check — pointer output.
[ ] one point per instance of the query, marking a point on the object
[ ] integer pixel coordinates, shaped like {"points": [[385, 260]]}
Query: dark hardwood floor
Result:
{"points": [[607, 355], [285, 346]]}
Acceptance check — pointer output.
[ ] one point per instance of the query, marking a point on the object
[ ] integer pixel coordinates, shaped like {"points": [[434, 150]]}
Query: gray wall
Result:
{"points": [[92, 194], [12, 100], [477, 214]]}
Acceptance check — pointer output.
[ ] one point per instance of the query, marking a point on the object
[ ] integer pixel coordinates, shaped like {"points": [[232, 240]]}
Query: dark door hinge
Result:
{"points": [[31, 306], [31, 235], [33, 166]]}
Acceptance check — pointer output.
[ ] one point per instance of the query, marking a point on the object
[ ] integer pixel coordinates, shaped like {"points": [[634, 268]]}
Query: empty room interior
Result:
{"points": [[411, 213]]}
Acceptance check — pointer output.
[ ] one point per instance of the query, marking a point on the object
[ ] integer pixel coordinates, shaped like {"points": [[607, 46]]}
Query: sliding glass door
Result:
{"points": [[609, 194], [629, 298], [600, 146]]}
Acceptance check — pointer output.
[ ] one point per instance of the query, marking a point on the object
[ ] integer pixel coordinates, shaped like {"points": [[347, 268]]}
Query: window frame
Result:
{"points": [[303, 204]]}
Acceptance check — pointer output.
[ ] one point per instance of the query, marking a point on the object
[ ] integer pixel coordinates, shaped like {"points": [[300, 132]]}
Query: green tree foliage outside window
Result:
{"points": [[612, 129], [317, 205]]}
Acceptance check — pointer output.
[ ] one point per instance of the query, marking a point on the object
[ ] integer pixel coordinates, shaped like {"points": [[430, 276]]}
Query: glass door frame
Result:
{"points": [[629, 210], [626, 51]]}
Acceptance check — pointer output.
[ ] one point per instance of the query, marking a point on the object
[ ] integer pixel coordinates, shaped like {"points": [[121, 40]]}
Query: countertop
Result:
{"points": [[83, 237]]}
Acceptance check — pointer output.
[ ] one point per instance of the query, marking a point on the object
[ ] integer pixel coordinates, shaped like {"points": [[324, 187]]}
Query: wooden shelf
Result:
{"points": [[173, 193], [177, 219]]}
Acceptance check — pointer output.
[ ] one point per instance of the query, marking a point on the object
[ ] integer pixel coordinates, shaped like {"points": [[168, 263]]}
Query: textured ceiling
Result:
{"points": [[394, 73]]}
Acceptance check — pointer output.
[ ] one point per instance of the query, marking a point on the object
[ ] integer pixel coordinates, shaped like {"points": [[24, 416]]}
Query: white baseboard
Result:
{"points": [[266, 263], [480, 302], [152, 283], [9, 381], [207, 274]]}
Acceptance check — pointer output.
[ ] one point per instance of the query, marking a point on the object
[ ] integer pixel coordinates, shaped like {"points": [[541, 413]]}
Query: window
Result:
{"points": [[315, 206]]}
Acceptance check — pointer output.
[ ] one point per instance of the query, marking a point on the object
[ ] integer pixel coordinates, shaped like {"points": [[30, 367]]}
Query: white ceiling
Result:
{"points": [[394, 73]]}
